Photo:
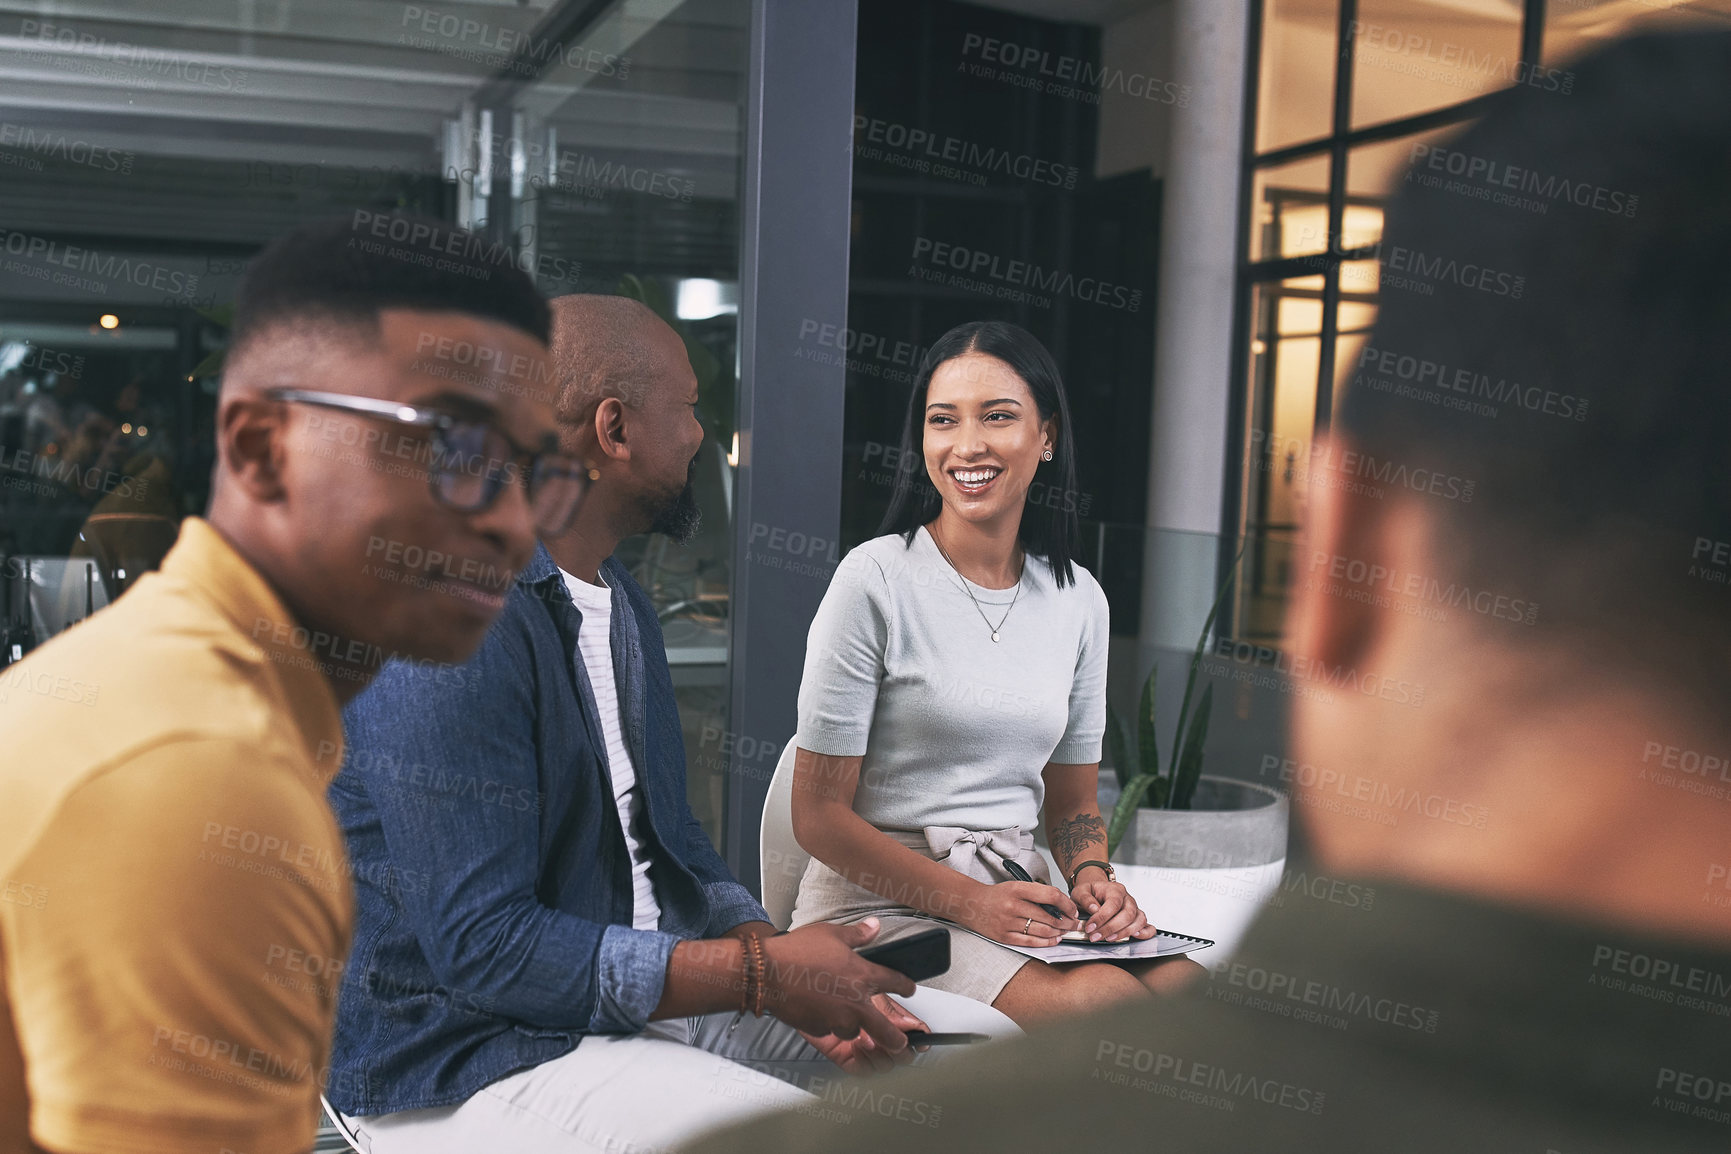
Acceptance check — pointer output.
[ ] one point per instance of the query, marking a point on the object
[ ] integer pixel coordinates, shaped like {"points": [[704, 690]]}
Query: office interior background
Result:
{"points": [[1181, 198]]}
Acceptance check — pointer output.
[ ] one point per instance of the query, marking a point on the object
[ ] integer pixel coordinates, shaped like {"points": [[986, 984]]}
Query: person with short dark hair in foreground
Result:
{"points": [[165, 983], [1536, 955]]}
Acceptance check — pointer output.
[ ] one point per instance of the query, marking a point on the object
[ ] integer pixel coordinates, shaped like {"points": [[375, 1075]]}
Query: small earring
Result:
{"points": [[1048, 454]]}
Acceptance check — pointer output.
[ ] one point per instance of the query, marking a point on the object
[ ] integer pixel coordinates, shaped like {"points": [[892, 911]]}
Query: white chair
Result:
{"points": [[335, 1134], [783, 864]]}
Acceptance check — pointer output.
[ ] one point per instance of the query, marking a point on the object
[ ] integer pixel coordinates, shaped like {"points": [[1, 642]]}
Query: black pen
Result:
{"points": [[1022, 875]]}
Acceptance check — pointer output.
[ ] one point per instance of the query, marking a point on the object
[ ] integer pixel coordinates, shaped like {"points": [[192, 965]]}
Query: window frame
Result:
{"points": [[1337, 145]]}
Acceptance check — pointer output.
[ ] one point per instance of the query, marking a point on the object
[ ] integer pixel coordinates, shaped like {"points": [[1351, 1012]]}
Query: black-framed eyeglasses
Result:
{"points": [[472, 460]]}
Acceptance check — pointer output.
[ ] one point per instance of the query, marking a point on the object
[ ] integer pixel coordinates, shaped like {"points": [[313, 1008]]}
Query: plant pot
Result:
{"points": [[1231, 825], [1205, 871]]}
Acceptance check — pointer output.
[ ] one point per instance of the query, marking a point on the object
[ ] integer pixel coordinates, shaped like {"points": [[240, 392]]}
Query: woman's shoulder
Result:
{"points": [[868, 565], [886, 545], [879, 555], [1083, 586]]}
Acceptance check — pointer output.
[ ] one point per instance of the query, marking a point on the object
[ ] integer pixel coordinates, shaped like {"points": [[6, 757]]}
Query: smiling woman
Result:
{"points": [[939, 716], [988, 401]]}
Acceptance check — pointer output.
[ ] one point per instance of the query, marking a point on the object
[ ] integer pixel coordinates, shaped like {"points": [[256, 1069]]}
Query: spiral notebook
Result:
{"points": [[1161, 945]]}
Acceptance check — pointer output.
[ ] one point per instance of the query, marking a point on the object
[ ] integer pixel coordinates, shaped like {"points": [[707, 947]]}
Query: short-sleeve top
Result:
{"points": [[954, 728], [176, 903]]}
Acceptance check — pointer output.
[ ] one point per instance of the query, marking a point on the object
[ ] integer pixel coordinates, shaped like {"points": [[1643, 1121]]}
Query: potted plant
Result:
{"points": [[1178, 816]]}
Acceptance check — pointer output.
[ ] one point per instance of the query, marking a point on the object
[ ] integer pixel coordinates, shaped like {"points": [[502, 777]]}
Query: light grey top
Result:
{"points": [[954, 728]]}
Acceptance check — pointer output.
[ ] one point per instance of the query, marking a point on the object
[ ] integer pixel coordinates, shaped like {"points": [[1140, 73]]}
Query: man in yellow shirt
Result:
{"points": [[175, 902]]}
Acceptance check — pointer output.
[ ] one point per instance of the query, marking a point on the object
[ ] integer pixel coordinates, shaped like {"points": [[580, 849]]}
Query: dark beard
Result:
{"points": [[679, 518]]}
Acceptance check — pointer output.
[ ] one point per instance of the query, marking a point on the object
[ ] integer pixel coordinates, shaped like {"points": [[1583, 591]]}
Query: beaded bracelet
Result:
{"points": [[762, 973], [747, 986]]}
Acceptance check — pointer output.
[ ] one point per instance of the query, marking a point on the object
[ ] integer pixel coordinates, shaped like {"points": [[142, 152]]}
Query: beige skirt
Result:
{"points": [[979, 969]]}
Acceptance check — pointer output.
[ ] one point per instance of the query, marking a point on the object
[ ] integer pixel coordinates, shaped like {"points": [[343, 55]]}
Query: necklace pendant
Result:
{"points": [[994, 635]]}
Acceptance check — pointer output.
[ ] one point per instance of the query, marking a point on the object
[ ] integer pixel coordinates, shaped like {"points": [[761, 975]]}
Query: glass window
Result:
{"points": [[628, 183], [1354, 318], [1296, 89], [1416, 68], [1285, 359], [1413, 56], [1289, 209], [1375, 171], [158, 152]]}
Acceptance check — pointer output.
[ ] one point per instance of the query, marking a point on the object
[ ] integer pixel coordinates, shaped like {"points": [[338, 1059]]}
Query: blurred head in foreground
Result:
{"points": [[1513, 574]]}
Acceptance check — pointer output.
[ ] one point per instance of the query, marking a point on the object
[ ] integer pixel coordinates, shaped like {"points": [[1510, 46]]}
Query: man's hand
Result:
{"points": [[818, 985], [1110, 913], [864, 1057]]}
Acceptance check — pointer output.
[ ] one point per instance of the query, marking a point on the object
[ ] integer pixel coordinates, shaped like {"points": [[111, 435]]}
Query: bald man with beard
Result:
{"points": [[569, 964]]}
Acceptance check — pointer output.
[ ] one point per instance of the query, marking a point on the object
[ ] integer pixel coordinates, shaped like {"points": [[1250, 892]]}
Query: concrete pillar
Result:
{"points": [[1193, 356]]}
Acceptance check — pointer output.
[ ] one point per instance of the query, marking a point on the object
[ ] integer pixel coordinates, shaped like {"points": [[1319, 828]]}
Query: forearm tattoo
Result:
{"points": [[1076, 836]]}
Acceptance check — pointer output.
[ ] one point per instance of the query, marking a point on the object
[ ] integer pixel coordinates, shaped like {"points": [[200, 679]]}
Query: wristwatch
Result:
{"points": [[1107, 866]]}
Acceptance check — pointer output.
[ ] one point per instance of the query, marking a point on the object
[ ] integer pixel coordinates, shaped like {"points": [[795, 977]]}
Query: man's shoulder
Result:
{"points": [[618, 576], [174, 799], [148, 672]]}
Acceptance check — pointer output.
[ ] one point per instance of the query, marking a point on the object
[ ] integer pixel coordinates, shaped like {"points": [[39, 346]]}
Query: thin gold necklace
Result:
{"points": [[970, 592]]}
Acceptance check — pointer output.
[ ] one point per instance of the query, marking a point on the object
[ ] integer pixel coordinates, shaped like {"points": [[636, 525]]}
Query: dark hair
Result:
{"points": [[345, 269], [1574, 363], [1045, 530]]}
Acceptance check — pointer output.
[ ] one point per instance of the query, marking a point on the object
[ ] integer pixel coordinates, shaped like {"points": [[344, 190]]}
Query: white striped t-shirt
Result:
{"points": [[594, 645]]}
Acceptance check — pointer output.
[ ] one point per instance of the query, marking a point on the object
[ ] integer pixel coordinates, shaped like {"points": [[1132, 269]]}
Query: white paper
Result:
{"points": [[1160, 945]]}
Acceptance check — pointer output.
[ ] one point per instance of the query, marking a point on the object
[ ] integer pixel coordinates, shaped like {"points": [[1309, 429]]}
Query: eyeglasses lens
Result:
{"points": [[555, 489], [474, 463]]}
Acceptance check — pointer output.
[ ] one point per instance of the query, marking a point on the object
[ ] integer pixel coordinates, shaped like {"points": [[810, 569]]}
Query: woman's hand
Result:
{"points": [[1010, 912], [1112, 913]]}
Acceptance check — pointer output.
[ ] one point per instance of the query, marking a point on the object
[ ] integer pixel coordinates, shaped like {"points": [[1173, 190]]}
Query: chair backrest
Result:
{"points": [[782, 860], [335, 1123]]}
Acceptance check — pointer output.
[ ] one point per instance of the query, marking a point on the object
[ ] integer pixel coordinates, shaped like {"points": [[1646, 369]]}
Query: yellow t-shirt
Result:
{"points": [[175, 900]]}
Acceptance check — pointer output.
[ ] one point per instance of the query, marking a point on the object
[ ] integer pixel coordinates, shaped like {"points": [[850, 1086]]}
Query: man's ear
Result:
{"points": [[252, 444], [1338, 550], [610, 435]]}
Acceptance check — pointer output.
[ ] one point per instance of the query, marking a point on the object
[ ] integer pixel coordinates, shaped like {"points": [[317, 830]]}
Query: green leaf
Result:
{"points": [[1196, 655], [1147, 740], [1189, 768], [211, 366], [1118, 747], [650, 293], [1125, 811]]}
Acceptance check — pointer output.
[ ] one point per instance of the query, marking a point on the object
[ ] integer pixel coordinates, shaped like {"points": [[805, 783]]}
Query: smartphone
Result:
{"points": [[919, 956], [921, 1038]]}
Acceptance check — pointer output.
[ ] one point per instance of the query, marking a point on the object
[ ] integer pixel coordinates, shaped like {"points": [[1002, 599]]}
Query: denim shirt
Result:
{"points": [[493, 899]]}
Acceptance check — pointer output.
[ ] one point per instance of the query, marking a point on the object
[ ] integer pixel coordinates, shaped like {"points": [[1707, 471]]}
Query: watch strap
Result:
{"points": [[1111, 876]]}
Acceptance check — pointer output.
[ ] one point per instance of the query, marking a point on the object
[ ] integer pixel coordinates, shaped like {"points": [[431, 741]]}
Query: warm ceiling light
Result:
{"points": [[109, 321], [126, 428]]}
